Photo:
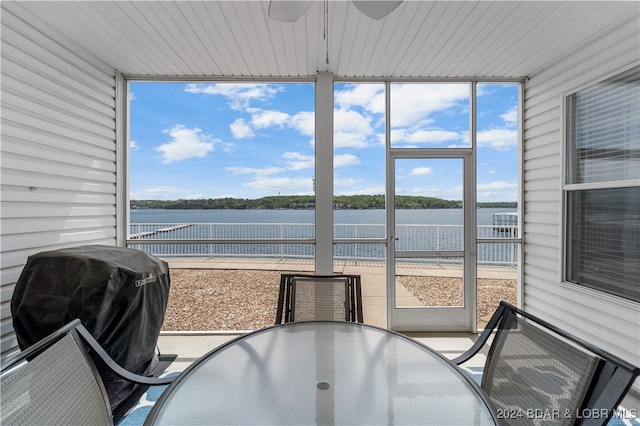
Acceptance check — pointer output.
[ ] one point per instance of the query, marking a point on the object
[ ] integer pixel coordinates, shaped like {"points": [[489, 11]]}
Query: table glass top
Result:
{"points": [[323, 373]]}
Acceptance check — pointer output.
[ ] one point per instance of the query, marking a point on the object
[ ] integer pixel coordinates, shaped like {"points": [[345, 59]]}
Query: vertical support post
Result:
{"points": [[324, 174], [470, 233], [122, 159]]}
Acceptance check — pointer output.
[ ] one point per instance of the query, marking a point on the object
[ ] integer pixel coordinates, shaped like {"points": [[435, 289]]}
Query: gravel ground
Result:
{"points": [[215, 299]]}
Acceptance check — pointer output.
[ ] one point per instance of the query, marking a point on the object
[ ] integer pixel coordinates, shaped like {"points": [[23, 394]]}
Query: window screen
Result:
{"points": [[602, 190]]}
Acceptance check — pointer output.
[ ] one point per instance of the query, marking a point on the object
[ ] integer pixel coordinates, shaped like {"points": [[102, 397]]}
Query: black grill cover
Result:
{"points": [[119, 294]]}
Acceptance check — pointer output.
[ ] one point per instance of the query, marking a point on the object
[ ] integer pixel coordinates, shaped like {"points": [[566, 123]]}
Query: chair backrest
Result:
{"points": [[538, 371], [319, 297], [53, 382], [530, 370]]}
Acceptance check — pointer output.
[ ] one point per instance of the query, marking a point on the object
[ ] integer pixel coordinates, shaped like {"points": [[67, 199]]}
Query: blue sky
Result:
{"points": [[245, 140]]}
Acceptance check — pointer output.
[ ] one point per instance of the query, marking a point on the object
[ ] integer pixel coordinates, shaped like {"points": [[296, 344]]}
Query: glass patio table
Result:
{"points": [[322, 372]]}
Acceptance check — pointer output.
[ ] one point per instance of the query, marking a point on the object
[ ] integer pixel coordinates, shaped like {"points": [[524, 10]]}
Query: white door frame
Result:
{"points": [[434, 318]]}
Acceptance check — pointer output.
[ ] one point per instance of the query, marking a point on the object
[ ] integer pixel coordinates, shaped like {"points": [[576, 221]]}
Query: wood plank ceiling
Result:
{"points": [[420, 39]]}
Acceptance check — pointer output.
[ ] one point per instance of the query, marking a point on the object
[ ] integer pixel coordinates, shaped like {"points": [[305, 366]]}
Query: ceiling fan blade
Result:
{"points": [[376, 9], [287, 10]]}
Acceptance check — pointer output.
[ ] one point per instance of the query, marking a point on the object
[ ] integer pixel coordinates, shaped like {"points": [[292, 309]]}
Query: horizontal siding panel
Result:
{"points": [[13, 115], [588, 327], [547, 184], [542, 170], [15, 75], [23, 194], [585, 319], [76, 171], [547, 119], [547, 196], [545, 216], [47, 115], [5, 324], [600, 319], [7, 291], [58, 151], [8, 343], [540, 131], [541, 274], [535, 239], [62, 111], [45, 239], [541, 152], [44, 210], [64, 140], [46, 154], [614, 50], [547, 162], [547, 229], [542, 210], [73, 65], [30, 179], [28, 94], [23, 225]]}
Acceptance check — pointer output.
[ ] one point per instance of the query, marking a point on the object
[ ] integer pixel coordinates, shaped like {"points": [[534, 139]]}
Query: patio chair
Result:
{"points": [[55, 381], [535, 370], [319, 297]]}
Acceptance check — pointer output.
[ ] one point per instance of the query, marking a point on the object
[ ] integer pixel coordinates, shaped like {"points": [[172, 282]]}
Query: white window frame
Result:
{"points": [[568, 188]]}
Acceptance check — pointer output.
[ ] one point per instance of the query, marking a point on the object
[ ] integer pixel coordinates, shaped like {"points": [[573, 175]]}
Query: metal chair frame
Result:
{"points": [[286, 297], [87, 346], [611, 382]]}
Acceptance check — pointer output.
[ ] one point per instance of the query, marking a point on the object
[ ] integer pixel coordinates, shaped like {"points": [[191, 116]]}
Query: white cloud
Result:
{"points": [[241, 130], [263, 119], [346, 182], [304, 122], [346, 120], [298, 161], [499, 185], [497, 191], [500, 139], [345, 160], [349, 140], [351, 129], [133, 146], [421, 171], [164, 192], [425, 136], [239, 94], [185, 143], [281, 184], [412, 104], [368, 96], [266, 171], [511, 116]]}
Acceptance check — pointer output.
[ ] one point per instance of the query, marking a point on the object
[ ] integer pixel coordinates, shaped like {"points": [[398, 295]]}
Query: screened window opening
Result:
{"points": [[602, 186]]}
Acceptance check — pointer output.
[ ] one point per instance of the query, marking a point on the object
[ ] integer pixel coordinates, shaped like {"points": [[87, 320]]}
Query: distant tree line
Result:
{"points": [[343, 202]]}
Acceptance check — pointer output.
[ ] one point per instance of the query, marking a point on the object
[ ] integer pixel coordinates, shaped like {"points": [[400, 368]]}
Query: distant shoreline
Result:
{"points": [[307, 202]]}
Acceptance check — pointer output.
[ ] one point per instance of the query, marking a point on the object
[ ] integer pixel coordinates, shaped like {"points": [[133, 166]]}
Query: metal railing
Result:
{"points": [[352, 242]]}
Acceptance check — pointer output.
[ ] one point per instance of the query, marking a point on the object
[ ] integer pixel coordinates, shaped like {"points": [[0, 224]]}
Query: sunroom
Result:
{"points": [[67, 68]]}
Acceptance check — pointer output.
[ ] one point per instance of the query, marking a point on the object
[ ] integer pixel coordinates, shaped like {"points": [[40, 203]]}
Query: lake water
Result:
{"points": [[417, 217], [349, 224]]}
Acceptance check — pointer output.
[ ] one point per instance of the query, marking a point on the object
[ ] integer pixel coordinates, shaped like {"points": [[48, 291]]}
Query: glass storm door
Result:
{"points": [[431, 244]]}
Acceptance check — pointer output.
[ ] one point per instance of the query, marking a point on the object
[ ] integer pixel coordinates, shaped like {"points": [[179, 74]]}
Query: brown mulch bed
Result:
{"points": [[217, 299]]}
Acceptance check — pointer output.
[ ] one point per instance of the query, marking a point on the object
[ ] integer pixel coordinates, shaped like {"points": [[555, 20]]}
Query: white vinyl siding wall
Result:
{"points": [[58, 150], [606, 321]]}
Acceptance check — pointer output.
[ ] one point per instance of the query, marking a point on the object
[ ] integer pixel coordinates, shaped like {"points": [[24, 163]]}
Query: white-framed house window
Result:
{"points": [[601, 187]]}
